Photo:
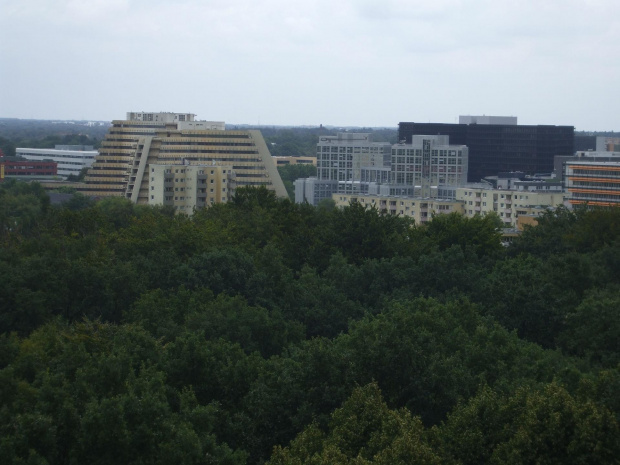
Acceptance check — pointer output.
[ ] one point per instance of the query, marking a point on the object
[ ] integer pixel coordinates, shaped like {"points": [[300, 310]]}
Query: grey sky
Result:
{"points": [[346, 62]]}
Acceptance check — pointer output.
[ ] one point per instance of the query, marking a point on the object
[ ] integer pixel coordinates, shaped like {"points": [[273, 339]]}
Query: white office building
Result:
{"points": [[70, 158], [342, 161], [427, 164]]}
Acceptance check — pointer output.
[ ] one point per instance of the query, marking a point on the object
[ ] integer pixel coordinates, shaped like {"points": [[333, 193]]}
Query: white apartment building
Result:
{"points": [[507, 204], [70, 158], [420, 209]]}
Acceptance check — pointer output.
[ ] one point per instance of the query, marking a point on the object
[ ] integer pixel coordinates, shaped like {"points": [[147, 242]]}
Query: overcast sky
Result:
{"points": [[345, 62]]}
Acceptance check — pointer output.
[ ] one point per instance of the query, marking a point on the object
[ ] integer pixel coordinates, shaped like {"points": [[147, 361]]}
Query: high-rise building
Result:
{"points": [[131, 146], [428, 161], [350, 163], [342, 161], [342, 157], [494, 148]]}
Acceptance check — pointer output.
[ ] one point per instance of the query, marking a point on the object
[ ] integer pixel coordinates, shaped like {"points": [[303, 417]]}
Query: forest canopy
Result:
{"points": [[264, 331]]}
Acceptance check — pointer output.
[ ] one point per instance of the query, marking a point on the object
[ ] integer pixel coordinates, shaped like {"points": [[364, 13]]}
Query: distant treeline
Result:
{"points": [[46, 134], [301, 141]]}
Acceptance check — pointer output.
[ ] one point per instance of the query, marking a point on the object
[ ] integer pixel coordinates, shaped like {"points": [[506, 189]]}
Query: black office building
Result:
{"points": [[495, 148]]}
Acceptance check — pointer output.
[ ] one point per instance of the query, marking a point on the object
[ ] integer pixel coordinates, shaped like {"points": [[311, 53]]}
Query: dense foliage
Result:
{"points": [[266, 331]]}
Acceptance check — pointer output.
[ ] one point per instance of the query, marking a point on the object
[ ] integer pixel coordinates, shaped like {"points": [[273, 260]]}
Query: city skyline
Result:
{"points": [[356, 63]]}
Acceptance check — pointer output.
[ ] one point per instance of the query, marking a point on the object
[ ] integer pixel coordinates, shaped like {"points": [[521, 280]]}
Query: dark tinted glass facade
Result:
{"points": [[495, 147]]}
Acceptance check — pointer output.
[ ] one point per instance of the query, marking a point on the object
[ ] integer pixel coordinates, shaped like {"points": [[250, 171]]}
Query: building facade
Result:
{"points": [[507, 204], [494, 148], [607, 144], [342, 161], [283, 161], [71, 159], [428, 161], [189, 187], [133, 145], [350, 163], [593, 183], [27, 169], [341, 158], [420, 210]]}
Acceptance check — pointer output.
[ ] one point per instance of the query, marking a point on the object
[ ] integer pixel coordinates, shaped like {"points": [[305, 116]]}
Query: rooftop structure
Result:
{"points": [[505, 120]]}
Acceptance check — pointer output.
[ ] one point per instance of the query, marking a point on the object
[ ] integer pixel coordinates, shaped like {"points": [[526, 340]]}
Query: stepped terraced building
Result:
{"points": [[133, 147]]}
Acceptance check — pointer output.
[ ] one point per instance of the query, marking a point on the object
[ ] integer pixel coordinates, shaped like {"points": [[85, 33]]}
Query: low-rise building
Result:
{"points": [[282, 161], [420, 209], [71, 159], [507, 204], [27, 169]]}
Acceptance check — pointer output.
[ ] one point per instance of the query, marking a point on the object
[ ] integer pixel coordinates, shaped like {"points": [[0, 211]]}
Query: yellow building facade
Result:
{"points": [[189, 187]]}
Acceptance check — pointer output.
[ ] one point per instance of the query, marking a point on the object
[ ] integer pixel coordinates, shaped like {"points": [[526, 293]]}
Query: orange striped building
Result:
{"points": [[593, 183]]}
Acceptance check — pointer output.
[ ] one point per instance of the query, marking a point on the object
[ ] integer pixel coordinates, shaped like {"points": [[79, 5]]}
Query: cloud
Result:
{"points": [[320, 60]]}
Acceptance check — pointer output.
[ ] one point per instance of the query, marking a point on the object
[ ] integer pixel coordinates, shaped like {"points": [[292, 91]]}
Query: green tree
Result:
{"points": [[363, 431], [593, 328], [531, 426]]}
